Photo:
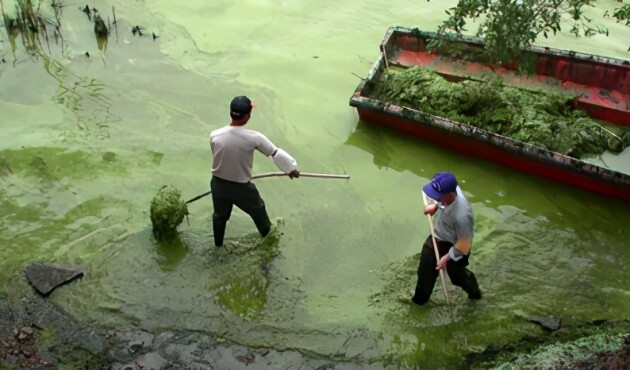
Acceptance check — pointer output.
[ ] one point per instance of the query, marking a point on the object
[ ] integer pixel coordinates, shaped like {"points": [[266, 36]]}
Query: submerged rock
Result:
{"points": [[546, 322], [46, 277], [100, 29]]}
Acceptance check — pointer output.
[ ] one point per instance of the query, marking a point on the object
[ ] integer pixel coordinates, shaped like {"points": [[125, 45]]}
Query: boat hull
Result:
{"points": [[401, 48], [585, 176]]}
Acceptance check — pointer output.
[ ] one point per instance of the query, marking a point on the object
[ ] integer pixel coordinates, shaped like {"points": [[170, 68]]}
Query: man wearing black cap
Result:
{"points": [[232, 161], [454, 235]]}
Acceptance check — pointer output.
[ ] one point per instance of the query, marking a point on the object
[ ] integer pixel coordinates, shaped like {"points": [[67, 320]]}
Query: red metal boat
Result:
{"points": [[603, 85]]}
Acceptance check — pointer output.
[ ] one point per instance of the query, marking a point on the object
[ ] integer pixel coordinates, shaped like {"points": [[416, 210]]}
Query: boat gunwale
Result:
{"points": [[541, 50]]}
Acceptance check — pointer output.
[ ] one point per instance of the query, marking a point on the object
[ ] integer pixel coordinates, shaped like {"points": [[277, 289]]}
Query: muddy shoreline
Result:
{"points": [[36, 333]]}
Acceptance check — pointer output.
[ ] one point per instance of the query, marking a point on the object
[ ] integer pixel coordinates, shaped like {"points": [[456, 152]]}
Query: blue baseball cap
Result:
{"points": [[442, 184]]}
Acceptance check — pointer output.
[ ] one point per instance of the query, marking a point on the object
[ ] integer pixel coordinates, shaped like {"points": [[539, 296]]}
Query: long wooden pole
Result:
{"points": [[302, 174], [277, 174], [435, 249]]}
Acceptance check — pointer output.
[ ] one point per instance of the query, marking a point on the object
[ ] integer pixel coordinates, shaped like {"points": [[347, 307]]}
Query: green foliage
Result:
{"points": [[623, 14], [507, 26], [539, 118], [167, 212]]}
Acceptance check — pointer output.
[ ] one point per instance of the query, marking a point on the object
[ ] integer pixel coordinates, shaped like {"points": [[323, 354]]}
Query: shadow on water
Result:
{"points": [[171, 253]]}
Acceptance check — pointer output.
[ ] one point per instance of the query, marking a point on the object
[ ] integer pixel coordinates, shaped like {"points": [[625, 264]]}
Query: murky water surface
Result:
{"points": [[86, 142]]}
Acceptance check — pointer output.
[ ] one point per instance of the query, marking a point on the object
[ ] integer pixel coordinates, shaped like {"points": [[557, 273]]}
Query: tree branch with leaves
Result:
{"points": [[621, 14], [508, 26]]}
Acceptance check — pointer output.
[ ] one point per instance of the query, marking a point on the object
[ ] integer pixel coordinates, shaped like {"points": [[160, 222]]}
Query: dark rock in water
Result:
{"points": [[46, 277], [100, 29], [546, 322]]}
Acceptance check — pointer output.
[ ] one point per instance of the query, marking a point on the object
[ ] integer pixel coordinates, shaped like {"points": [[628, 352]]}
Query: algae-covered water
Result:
{"points": [[86, 142]]}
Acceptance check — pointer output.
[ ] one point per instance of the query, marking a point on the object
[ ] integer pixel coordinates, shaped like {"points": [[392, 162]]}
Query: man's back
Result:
{"points": [[455, 221], [233, 152]]}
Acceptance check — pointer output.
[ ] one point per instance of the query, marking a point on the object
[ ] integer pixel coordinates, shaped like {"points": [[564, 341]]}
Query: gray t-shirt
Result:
{"points": [[233, 152], [455, 221]]}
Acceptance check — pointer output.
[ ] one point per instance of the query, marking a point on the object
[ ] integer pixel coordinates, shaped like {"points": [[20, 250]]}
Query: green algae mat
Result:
{"points": [[544, 119]]}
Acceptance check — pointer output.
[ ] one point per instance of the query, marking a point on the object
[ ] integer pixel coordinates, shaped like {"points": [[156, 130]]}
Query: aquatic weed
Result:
{"points": [[167, 212], [544, 119]]}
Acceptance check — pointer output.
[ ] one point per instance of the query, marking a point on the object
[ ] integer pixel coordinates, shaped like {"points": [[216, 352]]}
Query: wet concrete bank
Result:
{"points": [[36, 333]]}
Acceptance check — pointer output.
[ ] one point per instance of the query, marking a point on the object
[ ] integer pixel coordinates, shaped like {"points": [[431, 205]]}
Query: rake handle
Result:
{"points": [[435, 249], [278, 174]]}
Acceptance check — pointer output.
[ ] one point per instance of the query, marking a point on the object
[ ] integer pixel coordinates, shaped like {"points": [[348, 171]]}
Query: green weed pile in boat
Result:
{"points": [[167, 212], [540, 118]]}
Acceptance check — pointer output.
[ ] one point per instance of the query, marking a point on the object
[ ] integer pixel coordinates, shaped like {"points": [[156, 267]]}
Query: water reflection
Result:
{"points": [[482, 181], [170, 253]]}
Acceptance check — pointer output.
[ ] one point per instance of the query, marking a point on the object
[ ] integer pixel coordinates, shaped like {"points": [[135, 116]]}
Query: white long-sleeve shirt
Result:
{"points": [[233, 152]]}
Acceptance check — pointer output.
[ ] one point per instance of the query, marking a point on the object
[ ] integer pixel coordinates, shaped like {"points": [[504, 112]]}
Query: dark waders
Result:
{"points": [[245, 196], [457, 272]]}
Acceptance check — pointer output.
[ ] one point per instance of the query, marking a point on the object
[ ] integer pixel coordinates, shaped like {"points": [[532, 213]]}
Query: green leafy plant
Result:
{"points": [[621, 14], [507, 26]]}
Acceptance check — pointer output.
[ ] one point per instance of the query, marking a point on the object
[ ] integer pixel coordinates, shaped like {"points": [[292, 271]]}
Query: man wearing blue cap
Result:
{"points": [[454, 235], [233, 149]]}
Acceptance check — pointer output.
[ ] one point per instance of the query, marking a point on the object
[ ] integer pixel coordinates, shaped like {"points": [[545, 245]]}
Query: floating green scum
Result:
{"points": [[540, 118], [167, 212]]}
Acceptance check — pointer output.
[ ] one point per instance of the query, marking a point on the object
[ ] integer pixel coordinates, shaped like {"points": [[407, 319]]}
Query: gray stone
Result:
{"points": [[199, 366], [135, 346], [152, 360], [546, 322], [163, 339], [46, 277], [143, 338]]}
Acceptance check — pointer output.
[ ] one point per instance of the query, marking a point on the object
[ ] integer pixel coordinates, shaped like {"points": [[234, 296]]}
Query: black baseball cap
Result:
{"points": [[240, 107]]}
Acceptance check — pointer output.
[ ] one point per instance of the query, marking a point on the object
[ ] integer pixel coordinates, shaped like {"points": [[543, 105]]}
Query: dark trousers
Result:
{"points": [[427, 274], [226, 194]]}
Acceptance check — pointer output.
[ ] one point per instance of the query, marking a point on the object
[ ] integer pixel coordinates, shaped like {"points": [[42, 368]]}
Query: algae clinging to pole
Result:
{"points": [[168, 209], [167, 212]]}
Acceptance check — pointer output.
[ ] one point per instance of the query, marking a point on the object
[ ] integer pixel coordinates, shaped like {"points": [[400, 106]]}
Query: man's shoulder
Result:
{"points": [[217, 131], [254, 135], [251, 132], [225, 130], [462, 205]]}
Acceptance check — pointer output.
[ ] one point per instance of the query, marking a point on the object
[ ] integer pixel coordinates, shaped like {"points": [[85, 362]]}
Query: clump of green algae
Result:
{"points": [[167, 212], [544, 119]]}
